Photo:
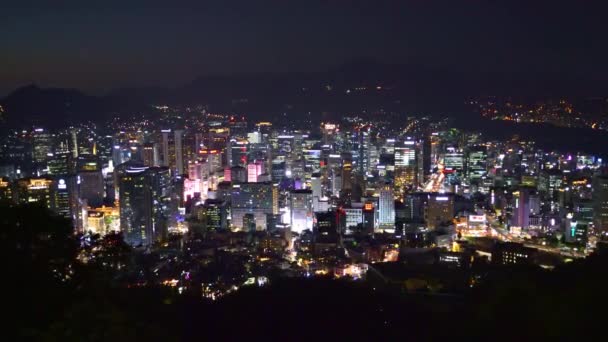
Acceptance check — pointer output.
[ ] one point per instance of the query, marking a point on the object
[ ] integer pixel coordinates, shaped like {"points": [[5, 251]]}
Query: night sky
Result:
{"points": [[96, 46]]}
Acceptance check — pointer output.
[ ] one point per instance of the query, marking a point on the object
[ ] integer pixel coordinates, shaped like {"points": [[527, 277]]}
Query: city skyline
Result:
{"points": [[319, 170]]}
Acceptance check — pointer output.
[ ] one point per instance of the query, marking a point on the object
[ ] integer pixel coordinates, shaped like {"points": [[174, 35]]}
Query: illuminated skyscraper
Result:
{"points": [[257, 199], [38, 190], [300, 205], [254, 170], [521, 214], [42, 145], [150, 155], [144, 204], [439, 210], [476, 162], [386, 212], [405, 165], [179, 151], [600, 204], [6, 190]]}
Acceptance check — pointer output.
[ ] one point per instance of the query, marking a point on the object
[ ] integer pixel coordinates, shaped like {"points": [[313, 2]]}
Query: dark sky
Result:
{"points": [[98, 45]]}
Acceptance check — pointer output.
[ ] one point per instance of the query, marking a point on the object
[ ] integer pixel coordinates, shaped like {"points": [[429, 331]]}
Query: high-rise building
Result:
{"points": [[6, 190], [440, 209], [92, 187], [454, 160], [600, 204], [386, 212], [237, 151], [300, 206], [173, 150], [405, 155], [42, 145], [213, 215], [521, 214], [238, 174], [59, 163], [150, 155], [179, 151], [144, 204], [254, 170], [38, 190], [165, 136], [258, 199], [326, 228], [476, 162]]}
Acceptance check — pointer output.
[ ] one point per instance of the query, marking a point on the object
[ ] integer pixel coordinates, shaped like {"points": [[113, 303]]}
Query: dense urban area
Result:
{"points": [[182, 205]]}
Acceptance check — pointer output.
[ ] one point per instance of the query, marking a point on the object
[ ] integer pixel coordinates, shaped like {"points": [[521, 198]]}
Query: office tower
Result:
{"points": [[415, 206], [312, 160], [213, 215], [347, 172], [165, 135], [227, 174], [440, 209], [237, 152], [405, 166], [315, 185], [476, 162], [102, 220], [300, 205], [91, 187], [369, 218], [386, 210], [74, 143], [265, 130], [249, 222], [336, 183], [90, 180], [600, 204], [405, 155], [238, 127], [454, 160], [150, 155], [238, 174], [213, 157], [62, 198], [59, 163], [363, 155], [38, 190], [278, 171], [173, 150], [254, 137], [521, 214], [58, 195], [144, 204], [326, 228], [423, 160], [179, 151], [254, 170], [258, 199], [6, 190], [353, 217], [42, 145]]}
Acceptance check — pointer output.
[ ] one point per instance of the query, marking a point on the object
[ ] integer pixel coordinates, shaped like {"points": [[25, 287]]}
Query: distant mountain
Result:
{"points": [[52, 107], [358, 87]]}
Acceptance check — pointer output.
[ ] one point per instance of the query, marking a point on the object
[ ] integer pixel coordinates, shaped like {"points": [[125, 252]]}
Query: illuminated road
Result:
{"points": [[504, 235], [435, 183]]}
